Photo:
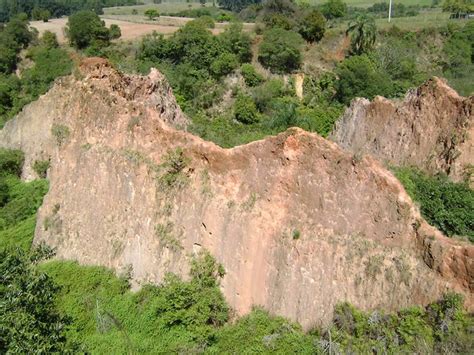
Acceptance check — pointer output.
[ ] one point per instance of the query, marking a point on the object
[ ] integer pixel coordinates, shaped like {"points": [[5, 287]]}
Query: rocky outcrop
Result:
{"points": [[95, 91], [298, 223], [432, 128]]}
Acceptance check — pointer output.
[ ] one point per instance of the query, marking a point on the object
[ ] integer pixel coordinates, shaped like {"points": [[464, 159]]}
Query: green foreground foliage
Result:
{"points": [[447, 205]]}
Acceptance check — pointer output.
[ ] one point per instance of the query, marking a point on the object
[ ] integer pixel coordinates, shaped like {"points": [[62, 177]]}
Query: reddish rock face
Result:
{"points": [[432, 128], [298, 223]]}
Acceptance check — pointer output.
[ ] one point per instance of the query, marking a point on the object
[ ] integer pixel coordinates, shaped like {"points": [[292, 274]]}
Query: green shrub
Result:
{"points": [[251, 77], [60, 132], [224, 64], [313, 26], [30, 321], [263, 334], [266, 93], [334, 9], [446, 205], [176, 316], [11, 162], [173, 166], [245, 110], [280, 50], [359, 76], [41, 168], [49, 40], [115, 31], [85, 28]]}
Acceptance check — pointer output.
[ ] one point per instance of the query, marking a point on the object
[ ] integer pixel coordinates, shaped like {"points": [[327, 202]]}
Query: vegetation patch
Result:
{"points": [[41, 168], [447, 205], [164, 232], [173, 168], [60, 132]]}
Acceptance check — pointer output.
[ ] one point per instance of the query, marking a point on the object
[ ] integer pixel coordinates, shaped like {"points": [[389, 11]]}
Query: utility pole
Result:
{"points": [[390, 11]]}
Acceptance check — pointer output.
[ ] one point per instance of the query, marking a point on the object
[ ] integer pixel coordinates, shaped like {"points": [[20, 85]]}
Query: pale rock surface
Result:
{"points": [[298, 223]]}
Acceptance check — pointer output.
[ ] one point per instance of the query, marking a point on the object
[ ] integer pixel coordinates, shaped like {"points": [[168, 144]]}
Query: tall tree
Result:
{"points": [[363, 32], [236, 5]]}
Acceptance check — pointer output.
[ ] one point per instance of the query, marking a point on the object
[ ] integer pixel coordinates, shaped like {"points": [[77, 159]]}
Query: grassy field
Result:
{"points": [[166, 7], [367, 3]]}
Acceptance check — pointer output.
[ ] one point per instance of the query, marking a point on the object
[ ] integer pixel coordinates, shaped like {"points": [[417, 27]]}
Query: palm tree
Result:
{"points": [[363, 32]]}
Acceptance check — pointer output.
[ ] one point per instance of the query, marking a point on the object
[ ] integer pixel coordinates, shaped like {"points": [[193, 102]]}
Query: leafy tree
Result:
{"points": [[457, 7], [234, 40], [115, 31], [273, 20], [245, 110], [334, 9], [236, 5], [363, 33], [313, 26], [85, 28], [29, 320], [280, 50], [152, 14], [251, 77], [49, 40], [224, 64], [359, 76], [458, 53]]}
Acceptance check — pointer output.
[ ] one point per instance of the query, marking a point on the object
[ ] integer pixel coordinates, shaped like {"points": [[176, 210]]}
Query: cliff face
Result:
{"points": [[298, 223], [432, 128]]}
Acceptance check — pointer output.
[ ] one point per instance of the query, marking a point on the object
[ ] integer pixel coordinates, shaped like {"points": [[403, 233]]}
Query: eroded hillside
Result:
{"points": [[432, 128], [298, 223]]}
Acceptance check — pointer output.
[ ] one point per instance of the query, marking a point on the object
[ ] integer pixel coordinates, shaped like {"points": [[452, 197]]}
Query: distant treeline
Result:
{"points": [[56, 8]]}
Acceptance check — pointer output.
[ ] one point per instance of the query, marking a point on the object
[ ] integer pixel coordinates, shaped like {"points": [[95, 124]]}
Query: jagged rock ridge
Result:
{"points": [[298, 223], [432, 128]]}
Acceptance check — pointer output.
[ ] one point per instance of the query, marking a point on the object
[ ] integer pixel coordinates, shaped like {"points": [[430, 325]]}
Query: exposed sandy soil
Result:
{"points": [[130, 30], [298, 223]]}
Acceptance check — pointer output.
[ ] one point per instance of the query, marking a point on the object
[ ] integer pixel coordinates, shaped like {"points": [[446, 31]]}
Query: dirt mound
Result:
{"points": [[432, 128], [298, 223]]}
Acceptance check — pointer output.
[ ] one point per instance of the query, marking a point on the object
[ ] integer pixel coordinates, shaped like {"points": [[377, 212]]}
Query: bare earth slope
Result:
{"points": [[297, 222], [432, 128]]}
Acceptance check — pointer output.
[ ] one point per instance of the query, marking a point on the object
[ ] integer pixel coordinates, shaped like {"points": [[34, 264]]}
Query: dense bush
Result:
{"points": [[11, 162], [334, 9], [360, 76], [280, 50], [85, 28], [447, 205], [49, 63], [245, 110], [14, 36], [55, 8], [313, 26], [176, 316], [194, 60], [236, 5], [251, 77], [442, 327], [29, 320]]}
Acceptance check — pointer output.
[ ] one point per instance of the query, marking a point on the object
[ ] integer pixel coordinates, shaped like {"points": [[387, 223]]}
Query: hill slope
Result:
{"points": [[432, 128], [298, 223]]}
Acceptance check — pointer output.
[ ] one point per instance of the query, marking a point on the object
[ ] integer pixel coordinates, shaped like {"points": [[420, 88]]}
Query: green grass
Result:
{"points": [[165, 7], [18, 215], [367, 3]]}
